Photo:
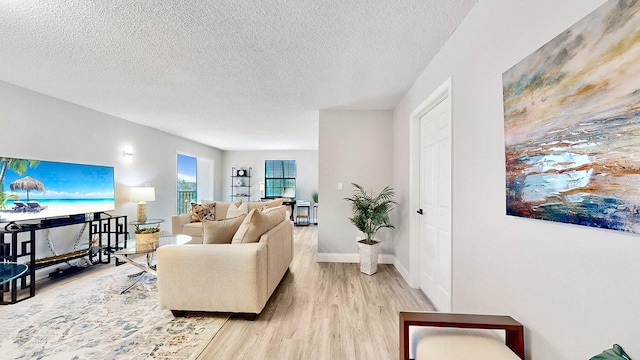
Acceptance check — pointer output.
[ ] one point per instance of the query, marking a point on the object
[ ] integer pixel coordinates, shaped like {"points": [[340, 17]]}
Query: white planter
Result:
{"points": [[369, 257]]}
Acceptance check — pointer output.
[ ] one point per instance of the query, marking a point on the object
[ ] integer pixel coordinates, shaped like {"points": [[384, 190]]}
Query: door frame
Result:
{"points": [[442, 93]]}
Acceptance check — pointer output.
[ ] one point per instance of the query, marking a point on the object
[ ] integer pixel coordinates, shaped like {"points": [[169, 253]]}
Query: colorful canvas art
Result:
{"points": [[572, 124]]}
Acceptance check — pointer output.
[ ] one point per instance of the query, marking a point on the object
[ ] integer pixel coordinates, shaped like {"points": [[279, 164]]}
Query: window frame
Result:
{"points": [[276, 186]]}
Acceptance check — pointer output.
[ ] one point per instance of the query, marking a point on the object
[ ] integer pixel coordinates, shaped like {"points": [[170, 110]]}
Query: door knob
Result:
{"points": [[420, 212]]}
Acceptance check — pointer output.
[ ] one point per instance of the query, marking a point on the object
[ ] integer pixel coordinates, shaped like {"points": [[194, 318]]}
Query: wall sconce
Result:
{"points": [[127, 154]]}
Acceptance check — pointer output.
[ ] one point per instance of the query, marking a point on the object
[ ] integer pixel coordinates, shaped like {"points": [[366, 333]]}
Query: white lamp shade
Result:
{"points": [[142, 194]]}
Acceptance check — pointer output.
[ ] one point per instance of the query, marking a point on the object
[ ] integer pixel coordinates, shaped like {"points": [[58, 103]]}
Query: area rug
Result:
{"points": [[88, 318]]}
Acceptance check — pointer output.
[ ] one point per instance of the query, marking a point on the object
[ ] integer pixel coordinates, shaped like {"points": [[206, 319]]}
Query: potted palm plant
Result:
{"points": [[370, 214]]}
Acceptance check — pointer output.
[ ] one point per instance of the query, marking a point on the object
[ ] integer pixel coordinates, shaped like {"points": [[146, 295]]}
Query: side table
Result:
{"points": [[148, 222], [303, 213], [130, 249], [10, 271]]}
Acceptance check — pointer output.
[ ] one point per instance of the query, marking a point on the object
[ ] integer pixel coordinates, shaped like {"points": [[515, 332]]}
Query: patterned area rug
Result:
{"points": [[88, 318]]}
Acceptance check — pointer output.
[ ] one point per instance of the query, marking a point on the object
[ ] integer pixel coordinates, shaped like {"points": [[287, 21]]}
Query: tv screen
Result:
{"points": [[34, 189]]}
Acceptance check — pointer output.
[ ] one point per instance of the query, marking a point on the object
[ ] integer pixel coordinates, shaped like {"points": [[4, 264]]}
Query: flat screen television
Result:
{"points": [[36, 189]]}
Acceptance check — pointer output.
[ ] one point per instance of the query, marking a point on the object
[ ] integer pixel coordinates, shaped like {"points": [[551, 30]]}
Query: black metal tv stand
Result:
{"points": [[108, 232]]}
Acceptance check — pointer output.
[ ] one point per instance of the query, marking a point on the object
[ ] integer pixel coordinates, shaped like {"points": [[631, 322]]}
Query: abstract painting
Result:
{"points": [[572, 124]]}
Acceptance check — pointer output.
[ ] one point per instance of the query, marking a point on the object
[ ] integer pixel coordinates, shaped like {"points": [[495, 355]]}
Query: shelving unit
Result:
{"points": [[240, 184]]}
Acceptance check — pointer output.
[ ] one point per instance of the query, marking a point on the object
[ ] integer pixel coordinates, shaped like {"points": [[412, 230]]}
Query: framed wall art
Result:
{"points": [[572, 124]]}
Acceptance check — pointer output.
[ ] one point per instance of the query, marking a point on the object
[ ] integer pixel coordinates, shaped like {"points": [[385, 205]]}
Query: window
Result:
{"points": [[280, 178], [195, 181], [187, 182]]}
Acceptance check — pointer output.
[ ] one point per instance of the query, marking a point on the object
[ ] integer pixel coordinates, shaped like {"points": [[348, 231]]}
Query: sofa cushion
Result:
{"points": [[235, 210], [257, 223], [223, 206], [201, 212], [220, 231], [192, 229]]}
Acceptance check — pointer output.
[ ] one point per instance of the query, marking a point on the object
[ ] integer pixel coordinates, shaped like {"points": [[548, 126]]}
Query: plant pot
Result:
{"points": [[368, 256], [146, 242]]}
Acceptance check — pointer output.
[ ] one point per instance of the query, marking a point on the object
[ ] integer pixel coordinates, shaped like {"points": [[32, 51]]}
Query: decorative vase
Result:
{"points": [[146, 242], [368, 256]]}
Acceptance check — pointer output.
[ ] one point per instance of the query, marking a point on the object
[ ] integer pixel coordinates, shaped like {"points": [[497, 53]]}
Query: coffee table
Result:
{"points": [[147, 268], [11, 270]]}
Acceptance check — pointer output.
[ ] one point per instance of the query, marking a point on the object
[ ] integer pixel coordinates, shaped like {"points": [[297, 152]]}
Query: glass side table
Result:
{"points": [[124, 253], [148, 222], [10, 271]]}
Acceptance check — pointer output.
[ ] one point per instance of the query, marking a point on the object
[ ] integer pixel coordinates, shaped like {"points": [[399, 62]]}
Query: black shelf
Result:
{"points": [[242, 191]]}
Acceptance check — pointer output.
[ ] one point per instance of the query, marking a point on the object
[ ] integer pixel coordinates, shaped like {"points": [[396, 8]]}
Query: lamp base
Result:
{"points": [[142, 211]]}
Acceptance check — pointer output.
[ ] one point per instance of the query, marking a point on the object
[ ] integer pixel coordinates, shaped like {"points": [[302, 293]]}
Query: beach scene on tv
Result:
{"points": [[34, 189]]}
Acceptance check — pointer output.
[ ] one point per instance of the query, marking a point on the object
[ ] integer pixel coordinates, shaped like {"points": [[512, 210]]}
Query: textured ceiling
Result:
{"points": [[236, 75]]}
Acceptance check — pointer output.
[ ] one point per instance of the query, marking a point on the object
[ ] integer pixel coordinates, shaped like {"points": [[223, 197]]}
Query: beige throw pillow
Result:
{"points": [[273, 203], [277, 208], [220, 231], [237, 210], [255, 205], [256, 224]]}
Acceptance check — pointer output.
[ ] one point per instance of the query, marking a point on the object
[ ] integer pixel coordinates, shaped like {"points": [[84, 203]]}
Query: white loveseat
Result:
{"points": [[236, 277]]}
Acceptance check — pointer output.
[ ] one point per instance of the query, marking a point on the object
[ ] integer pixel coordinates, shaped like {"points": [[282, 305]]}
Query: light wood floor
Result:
{"points": [[322, 311], [319, 311]]}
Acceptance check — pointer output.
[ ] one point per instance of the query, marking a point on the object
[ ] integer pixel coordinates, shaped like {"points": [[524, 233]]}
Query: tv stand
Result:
{"points": [[12, 226], [108, 231]]}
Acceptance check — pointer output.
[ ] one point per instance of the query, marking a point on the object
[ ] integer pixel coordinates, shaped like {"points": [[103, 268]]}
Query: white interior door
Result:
{"points": [[435, 205]]}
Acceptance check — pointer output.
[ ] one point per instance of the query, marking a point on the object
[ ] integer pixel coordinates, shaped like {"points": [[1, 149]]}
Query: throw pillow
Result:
{"points": [[220, 231], [255, 205], [201, 212], [273, 203], [256, 224], [235, 210], [270, 209]]}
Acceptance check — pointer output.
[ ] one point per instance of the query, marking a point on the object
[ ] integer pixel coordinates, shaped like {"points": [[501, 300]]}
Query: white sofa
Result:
{"points": [[181, 224], [237, 278]]}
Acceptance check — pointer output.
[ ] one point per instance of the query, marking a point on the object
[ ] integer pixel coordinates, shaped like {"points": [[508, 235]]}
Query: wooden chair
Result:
{"points": [[514, 331]]}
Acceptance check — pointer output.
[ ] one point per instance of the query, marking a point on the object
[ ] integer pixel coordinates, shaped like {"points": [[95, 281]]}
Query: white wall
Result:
{"points": [[355, 147], [37, 126], [306, 164], [574, 288]]}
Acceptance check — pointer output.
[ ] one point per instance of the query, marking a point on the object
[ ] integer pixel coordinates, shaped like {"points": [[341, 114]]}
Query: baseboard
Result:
{"points": [[352, 258], [403, 271], [355, 258]]}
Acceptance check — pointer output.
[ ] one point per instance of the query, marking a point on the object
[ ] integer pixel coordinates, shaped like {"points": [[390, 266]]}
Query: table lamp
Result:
{"points": [[142, 195], [289, 193]]}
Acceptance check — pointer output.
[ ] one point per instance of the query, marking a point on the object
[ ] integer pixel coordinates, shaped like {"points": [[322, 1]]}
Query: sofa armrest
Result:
{"points": [[514, 330], [213, 277], [178, 221], [279, 243]]}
